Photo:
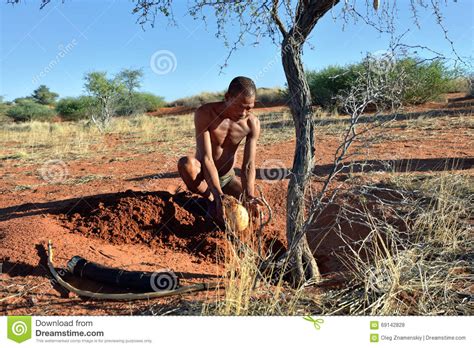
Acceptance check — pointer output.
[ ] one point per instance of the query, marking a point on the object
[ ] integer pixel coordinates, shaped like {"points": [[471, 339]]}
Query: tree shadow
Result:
{"points": [[163, 175], [22, 269], [398, 166]]}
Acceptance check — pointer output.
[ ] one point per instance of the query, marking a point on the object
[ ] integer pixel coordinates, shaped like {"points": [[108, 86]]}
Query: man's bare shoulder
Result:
{"points": [[206, 113], [253, 122], [209, 108]]}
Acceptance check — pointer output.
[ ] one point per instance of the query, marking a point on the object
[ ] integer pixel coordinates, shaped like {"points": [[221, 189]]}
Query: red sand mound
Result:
{"points": [[156, 219]]}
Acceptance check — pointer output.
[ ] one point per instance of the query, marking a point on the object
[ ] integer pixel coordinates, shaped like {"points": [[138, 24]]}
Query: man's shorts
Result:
{"points": [[226, 178]]}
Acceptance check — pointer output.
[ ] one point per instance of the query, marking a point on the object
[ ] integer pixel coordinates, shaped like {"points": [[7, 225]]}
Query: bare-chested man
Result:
{"points": [[220, 128]]}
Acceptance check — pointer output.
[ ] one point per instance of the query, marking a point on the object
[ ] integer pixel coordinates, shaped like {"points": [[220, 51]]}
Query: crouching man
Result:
{"points": [[220, 128]]}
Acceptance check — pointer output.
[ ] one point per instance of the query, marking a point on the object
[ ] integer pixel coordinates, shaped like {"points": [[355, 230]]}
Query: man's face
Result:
{"points": [[238, 107]]}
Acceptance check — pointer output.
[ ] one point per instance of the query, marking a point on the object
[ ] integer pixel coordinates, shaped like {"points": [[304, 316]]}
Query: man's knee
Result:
{"points": [[188, 164]]}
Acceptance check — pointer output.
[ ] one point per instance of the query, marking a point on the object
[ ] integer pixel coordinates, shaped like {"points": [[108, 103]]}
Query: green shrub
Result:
{"points": [[42, 95], [3, 111], [422, 81], [147, 102], [27, 110], [23, 99], [458, 85], [73, 109], [137, 103], [329, 82], [425, 81]]}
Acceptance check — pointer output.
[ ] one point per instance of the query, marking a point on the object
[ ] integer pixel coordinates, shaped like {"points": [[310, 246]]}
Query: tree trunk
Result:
{"points": [[305, 267]]}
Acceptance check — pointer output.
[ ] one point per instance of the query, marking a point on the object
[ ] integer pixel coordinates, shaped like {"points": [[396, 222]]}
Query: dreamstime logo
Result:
{"points": [[167, 172], [63, 51], [269, 66], [54, 171], [273, 171], [163, 281], [19, 328], [163, 62], [381, 62]]}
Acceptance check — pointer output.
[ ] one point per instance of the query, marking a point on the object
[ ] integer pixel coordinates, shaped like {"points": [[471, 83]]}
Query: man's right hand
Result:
{"points": [[254, 205], [217, 211]]}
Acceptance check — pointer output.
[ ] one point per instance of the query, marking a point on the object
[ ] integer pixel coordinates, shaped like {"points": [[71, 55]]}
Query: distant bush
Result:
{"points": [[3, 111], [422, 81], [199, 99], [269, 96], [73, 109], [42, 95], [28, 110], [264, 96], [425, 81], [149, 101], [458, 85], [23, 99], [138, 102]]}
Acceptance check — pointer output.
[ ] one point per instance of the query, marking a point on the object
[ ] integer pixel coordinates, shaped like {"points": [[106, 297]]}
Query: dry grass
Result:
{"points": [[248, 292], [34, 141], [421, 265], [416, 260]]}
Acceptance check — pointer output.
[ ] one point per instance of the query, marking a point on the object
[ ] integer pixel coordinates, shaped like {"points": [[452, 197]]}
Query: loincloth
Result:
{"points": [[226, 178]]}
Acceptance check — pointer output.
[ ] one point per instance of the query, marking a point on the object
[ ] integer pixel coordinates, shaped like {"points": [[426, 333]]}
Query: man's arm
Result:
{"points": [[248, 165], [204, 154]]}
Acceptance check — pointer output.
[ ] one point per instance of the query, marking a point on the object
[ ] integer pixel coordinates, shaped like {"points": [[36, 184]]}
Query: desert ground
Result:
{"points": [[116, 199]]}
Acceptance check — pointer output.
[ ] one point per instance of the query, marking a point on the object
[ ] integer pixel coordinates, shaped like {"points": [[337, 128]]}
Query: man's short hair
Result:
{"points": [[242, 85]]}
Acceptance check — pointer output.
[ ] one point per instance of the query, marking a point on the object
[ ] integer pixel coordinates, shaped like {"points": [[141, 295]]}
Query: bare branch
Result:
{"points": [[277, 19], [308, 13]]}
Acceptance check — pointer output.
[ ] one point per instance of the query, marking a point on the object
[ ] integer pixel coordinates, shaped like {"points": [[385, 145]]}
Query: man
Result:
{"points": [[220, 128]]}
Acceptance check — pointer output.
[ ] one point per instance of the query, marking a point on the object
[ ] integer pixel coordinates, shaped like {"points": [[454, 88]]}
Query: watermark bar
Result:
{"points": [[151, 331]]}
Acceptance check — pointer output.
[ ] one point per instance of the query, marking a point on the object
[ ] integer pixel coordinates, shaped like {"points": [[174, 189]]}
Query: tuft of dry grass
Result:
{"points": [[421, 265], [249, 292]]}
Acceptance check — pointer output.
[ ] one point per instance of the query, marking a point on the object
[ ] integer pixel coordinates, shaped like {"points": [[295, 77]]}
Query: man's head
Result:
{"points": [[240, 98]]}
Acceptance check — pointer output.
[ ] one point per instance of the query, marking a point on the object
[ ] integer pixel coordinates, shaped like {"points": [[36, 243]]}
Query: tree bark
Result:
{"points": [[305, 267]]}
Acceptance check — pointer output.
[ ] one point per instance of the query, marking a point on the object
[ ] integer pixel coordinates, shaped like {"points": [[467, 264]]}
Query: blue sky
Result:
{"points": [[59, 44]]}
